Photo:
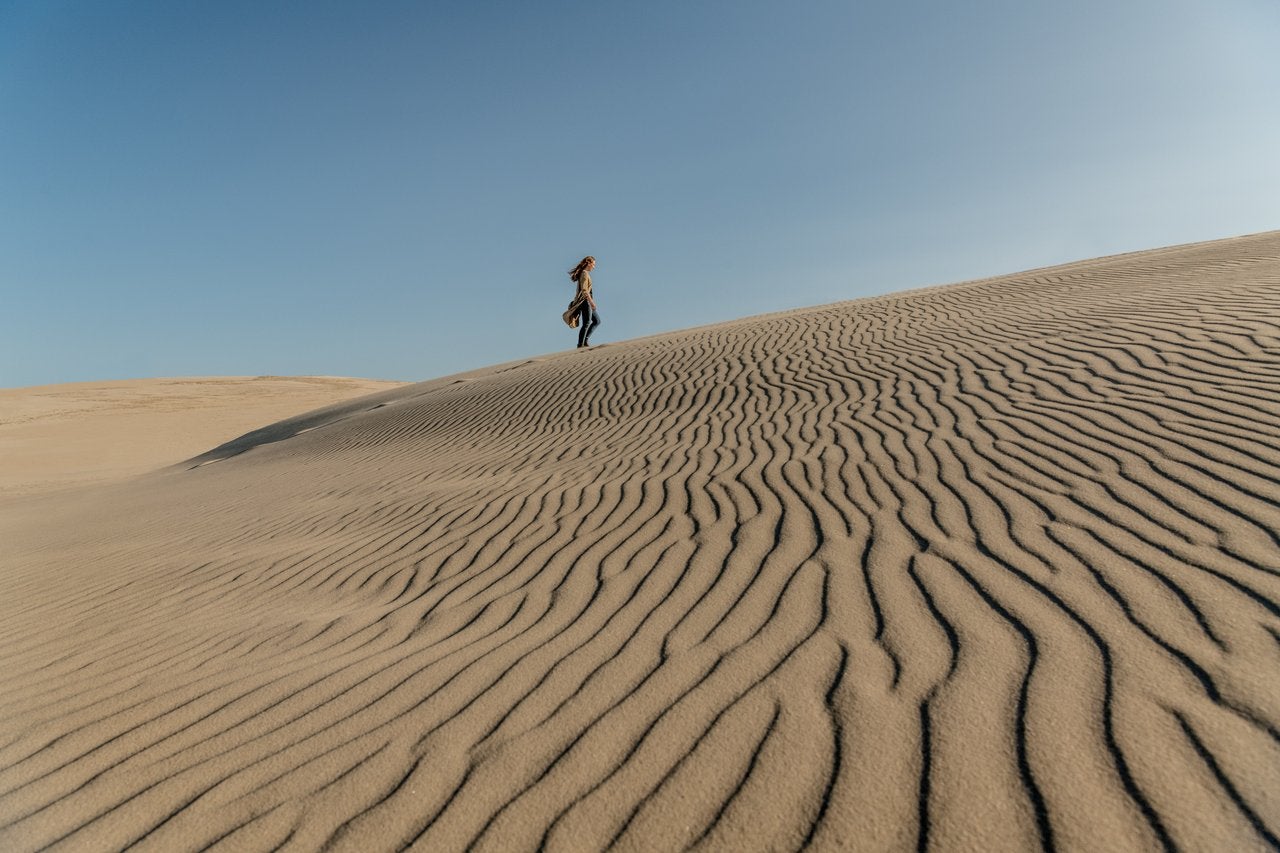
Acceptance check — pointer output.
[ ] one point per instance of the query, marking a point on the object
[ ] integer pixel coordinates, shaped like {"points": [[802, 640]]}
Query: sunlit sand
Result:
{"points": [[988, 566], [55, 436]]}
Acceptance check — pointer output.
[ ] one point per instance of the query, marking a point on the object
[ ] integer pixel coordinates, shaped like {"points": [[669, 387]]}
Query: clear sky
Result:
{"points": [[396, 190]]}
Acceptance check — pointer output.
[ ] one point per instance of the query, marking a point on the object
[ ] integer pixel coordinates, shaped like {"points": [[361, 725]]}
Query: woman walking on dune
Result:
{"points": [[582, 310]]}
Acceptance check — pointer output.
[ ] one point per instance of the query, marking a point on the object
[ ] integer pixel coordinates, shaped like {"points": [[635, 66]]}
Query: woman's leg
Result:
{"points": [[584, 323], [595, 321]]}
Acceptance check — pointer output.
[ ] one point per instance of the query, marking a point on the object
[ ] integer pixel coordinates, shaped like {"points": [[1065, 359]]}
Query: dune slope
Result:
{"points": [[55, 437], [993, 566]]}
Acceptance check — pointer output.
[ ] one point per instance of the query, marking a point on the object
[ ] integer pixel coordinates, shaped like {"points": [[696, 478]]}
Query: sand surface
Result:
{"points": [[992, 566], [74, 434]]}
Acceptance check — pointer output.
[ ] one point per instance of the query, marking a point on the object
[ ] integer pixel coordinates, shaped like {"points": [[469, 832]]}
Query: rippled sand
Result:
{"points": [[993, 566]]}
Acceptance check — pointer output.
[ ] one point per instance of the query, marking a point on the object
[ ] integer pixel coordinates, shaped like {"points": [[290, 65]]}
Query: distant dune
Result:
{"points": [[55, 436], [991, 566]]}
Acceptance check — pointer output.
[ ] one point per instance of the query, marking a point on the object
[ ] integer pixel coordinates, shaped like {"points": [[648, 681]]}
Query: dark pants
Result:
{"points": [[588, 319]]}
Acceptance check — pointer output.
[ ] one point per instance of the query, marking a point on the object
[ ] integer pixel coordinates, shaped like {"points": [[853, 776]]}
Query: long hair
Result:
{"points": [[576, 272]]}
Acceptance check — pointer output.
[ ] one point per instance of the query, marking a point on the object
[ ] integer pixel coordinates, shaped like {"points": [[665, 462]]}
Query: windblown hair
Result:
{"points": [[576, 272]]}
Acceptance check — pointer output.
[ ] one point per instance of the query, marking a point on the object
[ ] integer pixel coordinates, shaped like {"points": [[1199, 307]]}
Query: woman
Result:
{"points": [[584, 303]]}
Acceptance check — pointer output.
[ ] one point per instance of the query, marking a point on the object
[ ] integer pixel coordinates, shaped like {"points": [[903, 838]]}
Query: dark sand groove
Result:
{"points": [[986, 566]]}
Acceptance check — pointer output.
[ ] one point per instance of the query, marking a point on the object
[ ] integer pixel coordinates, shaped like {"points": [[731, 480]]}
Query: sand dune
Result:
{"points": [[56, 436], [992, 566]]}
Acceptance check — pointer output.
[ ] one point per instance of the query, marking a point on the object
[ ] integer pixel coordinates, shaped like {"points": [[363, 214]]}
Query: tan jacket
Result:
{"points": [[570, 316]]}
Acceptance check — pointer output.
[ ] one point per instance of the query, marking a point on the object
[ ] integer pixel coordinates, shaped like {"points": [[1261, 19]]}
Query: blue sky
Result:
{"points": [[396, 190]]}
